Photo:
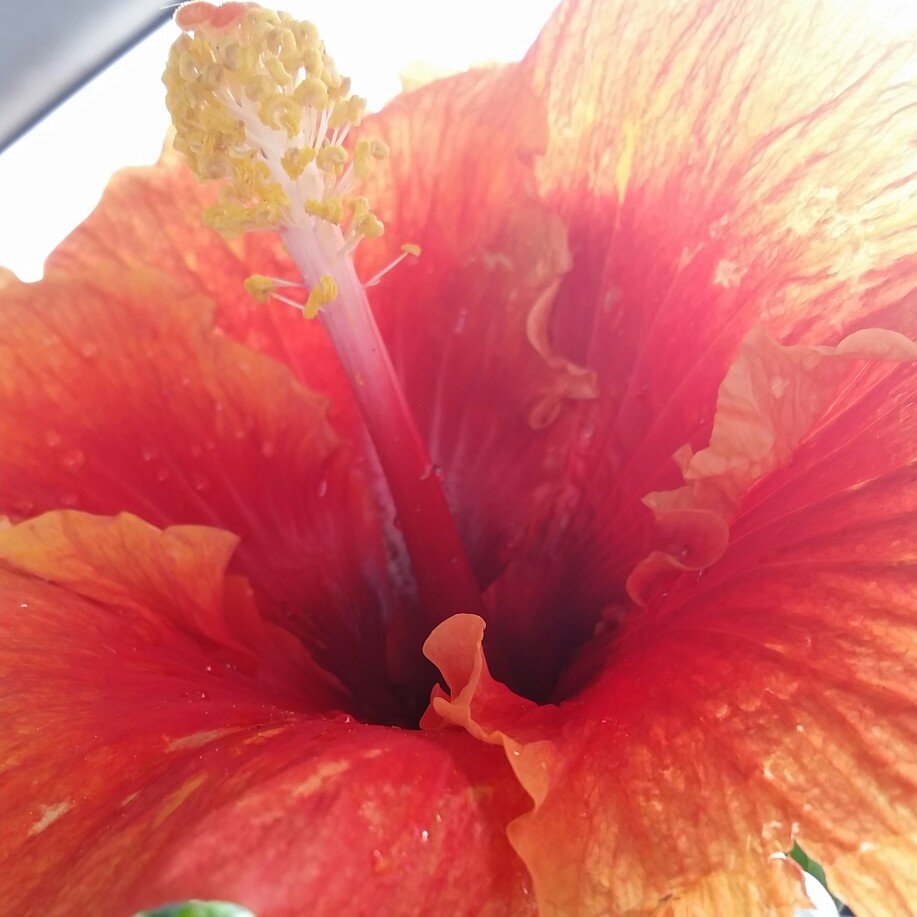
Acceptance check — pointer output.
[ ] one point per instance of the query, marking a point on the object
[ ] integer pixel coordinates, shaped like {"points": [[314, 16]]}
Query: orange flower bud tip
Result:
{"points": [[190, 16]]}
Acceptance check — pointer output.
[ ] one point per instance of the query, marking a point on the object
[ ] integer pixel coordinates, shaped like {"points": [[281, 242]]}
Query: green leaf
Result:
{"points": [[199, 909], [813, 869]]}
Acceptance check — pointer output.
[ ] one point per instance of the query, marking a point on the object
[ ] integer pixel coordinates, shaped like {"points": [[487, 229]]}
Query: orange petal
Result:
{"points": [[119, 395], [770, 699], [149, 757], [152, 216]]}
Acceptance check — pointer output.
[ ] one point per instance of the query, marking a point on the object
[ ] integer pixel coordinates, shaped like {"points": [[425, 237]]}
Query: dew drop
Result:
{"points": [[461, 321], [69, 499], [162, 475], [322, 487], [432, 471], [74, 460], [779, 386], [23, 604], [424, 836], [204, 695], [53, 439], [268, 448], [208, 668], [199, 482], [147, 453]]}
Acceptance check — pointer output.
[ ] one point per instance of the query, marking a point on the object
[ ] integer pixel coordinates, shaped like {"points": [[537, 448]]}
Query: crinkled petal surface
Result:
{"points": [[768, 698], [161, 743]]}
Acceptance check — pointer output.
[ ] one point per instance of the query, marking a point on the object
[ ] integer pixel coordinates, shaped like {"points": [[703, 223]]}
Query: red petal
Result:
{"points": [[718, 165], [772, 698], [151, 757], [119, 396], [466, 321], [769, 402]]}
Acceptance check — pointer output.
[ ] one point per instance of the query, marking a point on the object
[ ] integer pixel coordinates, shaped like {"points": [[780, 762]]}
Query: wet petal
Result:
{"points": [[717, 166], [118, 395], [770, 698], [150, 756]]}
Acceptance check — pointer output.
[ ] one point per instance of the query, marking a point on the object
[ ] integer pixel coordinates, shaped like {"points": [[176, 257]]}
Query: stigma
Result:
{"points": [[257, 102]]}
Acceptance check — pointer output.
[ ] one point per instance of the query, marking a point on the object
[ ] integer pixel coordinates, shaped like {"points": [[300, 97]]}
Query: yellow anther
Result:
{"points": [[260, 287], [409, 248], [313, 92], [338, 116], [324, 292], [371, 226], [331, 210], [331, 159], [280, 111], [277, 70], [365, 152], [295, 161], [259, 87]]}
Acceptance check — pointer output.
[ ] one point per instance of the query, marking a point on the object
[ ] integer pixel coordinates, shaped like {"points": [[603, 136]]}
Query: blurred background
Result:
{"points": [[80, 90]]}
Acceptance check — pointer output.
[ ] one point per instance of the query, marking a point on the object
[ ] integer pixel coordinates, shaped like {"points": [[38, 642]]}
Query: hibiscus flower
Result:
{"points": [[654, 359]]}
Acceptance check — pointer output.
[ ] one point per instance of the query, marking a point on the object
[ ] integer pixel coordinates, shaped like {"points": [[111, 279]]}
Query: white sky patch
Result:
{"points": [[49, 815]]}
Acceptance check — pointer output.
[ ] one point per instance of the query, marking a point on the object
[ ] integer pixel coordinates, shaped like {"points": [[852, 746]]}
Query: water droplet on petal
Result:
{"points": [[53, 438], [147, 454], [162, 475], [199, 482], [268, 448], [89, 349], [69, 499], [779, 386], [322, 487], [74, 460]]}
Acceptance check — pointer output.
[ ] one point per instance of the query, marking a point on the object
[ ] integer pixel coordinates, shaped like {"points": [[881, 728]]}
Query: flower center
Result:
{"points": [[257, 102]]}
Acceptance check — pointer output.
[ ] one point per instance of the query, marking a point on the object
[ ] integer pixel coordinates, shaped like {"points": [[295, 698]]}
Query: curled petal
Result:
{"points": [[771, 400]]}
